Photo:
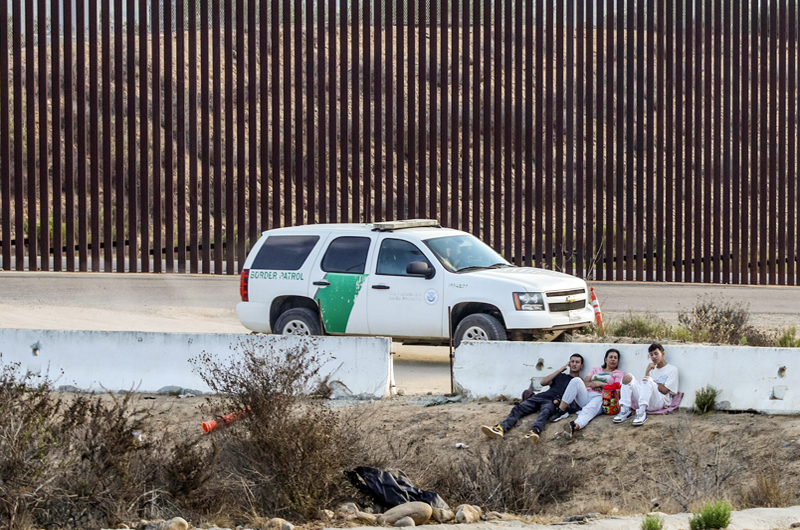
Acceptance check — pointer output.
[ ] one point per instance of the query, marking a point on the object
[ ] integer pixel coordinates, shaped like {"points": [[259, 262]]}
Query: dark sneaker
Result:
{"points": [[624, 414], [558, 416], [493, 432], [569, 430], [641, 417], [532, 436]]}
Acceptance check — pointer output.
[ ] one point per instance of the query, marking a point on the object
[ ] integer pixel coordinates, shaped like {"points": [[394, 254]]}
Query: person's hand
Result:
{"points": [[565, 367], [650, 367]]}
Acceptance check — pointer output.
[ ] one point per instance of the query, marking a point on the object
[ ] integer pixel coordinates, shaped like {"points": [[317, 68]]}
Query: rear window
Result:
{"points": [[284, 253], [346, 254]]}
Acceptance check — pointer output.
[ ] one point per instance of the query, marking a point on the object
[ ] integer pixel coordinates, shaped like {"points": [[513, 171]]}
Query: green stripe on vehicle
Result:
{"points": [[337, 299]]}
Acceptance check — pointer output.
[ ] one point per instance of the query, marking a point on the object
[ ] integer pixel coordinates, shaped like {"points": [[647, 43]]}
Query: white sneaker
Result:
{"points": [[558, 416], [641, 417], [624, 414]]}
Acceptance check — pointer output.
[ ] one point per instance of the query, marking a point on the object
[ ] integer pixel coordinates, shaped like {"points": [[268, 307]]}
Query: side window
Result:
{"points": [[284, 253], [395, 255], [346, 254]]}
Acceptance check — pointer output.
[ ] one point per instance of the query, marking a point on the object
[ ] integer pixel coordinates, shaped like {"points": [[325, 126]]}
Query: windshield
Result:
{"points": [[465, 252]]}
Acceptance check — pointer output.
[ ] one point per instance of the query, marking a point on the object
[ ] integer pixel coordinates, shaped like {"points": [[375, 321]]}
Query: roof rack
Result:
{"points": [[388, 226]]}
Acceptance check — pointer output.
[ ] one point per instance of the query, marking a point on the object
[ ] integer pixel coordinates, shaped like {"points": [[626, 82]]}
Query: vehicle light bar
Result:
{"points": [[407, 223]]}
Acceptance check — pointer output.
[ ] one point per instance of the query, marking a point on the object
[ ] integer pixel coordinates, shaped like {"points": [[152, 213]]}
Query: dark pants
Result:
{"points": [[544, 406]]}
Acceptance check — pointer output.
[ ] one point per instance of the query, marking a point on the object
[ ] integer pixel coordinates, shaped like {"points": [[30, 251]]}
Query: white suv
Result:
{"points": [[410, 280]]}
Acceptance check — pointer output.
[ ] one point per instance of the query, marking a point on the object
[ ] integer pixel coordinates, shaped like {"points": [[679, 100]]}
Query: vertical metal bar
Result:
{"points": [[496, 129], [744, 146], [322, 112], [44, 183], [764, 174], [688, 143], [791, 152], [344, 108], [739, 211], [723, 147], [549, 175], [456, 142], [664, 204], [286, 140], [193, 212], [240, 208], [332, 145], [69, 138], [55, 88], [622, 193], [529, 189], [363, 145], [558, 132], [380, 172], [584, 130], [144, 166], [486, 44], [714, 115], [180, 88], [518, 147], [507, 157], [231, 141], [107, 138], [569, 253], [772, 154], [401, 114], [781, 95], [369, 36], [478, 178], [5, 130], [217, 56], [680, 137], [599, 171], [464, 112], [169, 177], [19, 236], [131, 113], [645, 258], [80, 96], [669, 104], [155, 31], [119, 143], [252, 229], [205, 134], [94, 121], [697, 167], [424, 170], [446, 211], [609, 162], [275, 83], [412, 109], [301, 171], [590, 148], [755, 205], [435, 83], [644, 162]]}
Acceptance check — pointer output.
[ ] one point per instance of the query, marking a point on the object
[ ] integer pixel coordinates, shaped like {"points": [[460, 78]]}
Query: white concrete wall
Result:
{"points": [[749, 378], [97, 360]]}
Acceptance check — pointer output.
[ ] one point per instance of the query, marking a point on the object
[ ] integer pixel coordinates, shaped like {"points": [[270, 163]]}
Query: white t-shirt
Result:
{"points": [[667, 376]]}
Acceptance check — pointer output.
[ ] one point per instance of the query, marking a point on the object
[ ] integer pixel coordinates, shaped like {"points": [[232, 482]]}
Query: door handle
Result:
{"points": [[380, 286], [322, 283]]}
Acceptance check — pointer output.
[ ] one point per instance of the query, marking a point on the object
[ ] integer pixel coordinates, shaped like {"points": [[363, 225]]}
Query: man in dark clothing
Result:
{"points": [[543, 402]]}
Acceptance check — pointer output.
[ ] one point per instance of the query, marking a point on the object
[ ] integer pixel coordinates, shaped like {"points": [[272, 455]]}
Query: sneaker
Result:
{"points": [[641, 417], [532, 436], [559, 416], [623, 415], [569, 430], [493, 432]]}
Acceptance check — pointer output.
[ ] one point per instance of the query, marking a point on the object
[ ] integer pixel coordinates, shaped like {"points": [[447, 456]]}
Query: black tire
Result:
{"points": [[479, 326], [298, 321]]}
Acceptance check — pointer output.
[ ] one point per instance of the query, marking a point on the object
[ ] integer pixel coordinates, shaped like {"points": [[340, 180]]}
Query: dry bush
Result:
{"points": [[639, 326], [722, 322], [767, 492]]}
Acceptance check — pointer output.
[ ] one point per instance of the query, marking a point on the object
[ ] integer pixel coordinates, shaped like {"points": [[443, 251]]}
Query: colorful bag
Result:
{"points": [[611, 399]]}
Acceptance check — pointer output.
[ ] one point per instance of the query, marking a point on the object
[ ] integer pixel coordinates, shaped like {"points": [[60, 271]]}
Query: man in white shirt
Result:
{"points": [[653, 392]]}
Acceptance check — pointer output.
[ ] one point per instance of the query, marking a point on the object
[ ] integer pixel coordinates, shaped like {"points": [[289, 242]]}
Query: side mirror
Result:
{"points": [[420, 268]]}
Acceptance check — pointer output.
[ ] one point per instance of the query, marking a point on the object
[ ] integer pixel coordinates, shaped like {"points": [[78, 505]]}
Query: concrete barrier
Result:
{"points": [[98, 360], [749, 378]]}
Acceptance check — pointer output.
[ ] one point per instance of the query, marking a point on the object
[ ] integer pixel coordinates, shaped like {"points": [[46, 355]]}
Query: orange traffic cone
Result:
{"points": [[598, 314], [209, 426]]}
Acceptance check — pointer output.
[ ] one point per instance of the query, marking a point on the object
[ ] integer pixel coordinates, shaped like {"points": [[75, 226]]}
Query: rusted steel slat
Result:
{"points": [[486, 44], [205, 136], [774, 95], [370, 205], [663, 109], [132, 181], [529, 189], [155, 32], [584, 172], [5, 130], [44, 181], [558, 136], [568, 253], [344, 104], [754, 102], [688, 142], [180, 89], [599, 249], [69, 135], [478, 179], [424, 169], [549, 175], [107, 139], [381, 101], [169, 176], [55, 88], [193, 140], [697, 135], [446, 209], [723, 147], [310, 167], [300, 173], [710, 102], [645, 170], [94, 121], [763, 152], [231, 141], [677, 28], [507, 158], [496, 130], [781, 96], [412, 109], [401, 94], [218, 111], [433, 81], [518, 240], [321, 114], [240, 205], [791, 151], [739, 211], [80, 97], [464, 112], [286, 107], [17, 32], [619, 124], [457, 138], [333, 175], [609, 192]]}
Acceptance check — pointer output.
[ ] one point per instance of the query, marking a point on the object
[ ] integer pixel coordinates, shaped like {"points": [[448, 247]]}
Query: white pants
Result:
{"points": [[642, 393], [591, 403]]}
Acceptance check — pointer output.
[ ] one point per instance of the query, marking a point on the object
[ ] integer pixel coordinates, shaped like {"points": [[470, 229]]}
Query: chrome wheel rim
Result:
{"points": [[296, 327], [475, 333]]}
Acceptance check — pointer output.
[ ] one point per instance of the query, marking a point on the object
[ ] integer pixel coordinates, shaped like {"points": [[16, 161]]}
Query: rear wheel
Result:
{"points": [[298, 321], [479, 326]]}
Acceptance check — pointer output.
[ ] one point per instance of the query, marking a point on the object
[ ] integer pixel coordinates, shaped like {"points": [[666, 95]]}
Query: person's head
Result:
{"points": [[611, 360], [656, 352], [575, 362]]}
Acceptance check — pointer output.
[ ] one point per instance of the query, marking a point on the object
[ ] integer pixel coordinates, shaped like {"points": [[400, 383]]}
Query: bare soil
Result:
{"points": [[673, 463]]}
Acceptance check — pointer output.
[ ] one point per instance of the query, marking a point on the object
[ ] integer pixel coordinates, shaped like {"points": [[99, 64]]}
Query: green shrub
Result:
{"points": [[787, 339], [705, 399], [712, 516], [722, 322], [639, 326], [652, 521]]}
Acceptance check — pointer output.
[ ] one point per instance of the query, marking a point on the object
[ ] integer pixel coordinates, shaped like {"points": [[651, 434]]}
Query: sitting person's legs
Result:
{"points": [[590, 410], [529, 406], [576, 391], [649, 396]]}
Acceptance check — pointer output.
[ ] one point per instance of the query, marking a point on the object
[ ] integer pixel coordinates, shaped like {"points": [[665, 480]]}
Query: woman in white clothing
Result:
{"points": [[588, 394]]}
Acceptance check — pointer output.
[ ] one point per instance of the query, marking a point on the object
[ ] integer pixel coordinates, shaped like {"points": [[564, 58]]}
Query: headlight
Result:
{"points": [[529, 301]]}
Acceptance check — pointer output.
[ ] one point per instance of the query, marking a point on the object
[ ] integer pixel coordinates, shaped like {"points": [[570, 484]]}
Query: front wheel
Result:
{"points": [[298, 321], [479, 326]]}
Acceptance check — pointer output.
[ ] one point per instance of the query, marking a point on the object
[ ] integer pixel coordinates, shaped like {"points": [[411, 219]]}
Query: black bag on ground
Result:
{"points": [[391, 488]]}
